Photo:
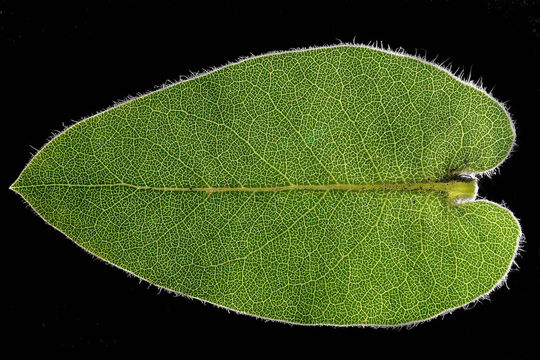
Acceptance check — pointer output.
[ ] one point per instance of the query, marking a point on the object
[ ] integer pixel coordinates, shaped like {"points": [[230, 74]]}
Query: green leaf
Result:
{"points": [[321, 186]]}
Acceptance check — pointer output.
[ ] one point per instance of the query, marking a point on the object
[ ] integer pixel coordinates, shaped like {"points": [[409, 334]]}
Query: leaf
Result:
{"points": [[321, 186]]}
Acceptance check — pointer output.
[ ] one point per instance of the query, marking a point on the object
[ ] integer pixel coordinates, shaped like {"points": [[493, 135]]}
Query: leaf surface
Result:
{"points": [[316, 187]]}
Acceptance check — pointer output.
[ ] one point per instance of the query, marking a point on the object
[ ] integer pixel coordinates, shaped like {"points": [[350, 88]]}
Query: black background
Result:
{"points": [[64, 62]]}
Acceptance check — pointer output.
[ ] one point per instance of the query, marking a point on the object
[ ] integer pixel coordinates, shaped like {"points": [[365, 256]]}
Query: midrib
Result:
{"points": [[454, 189]]}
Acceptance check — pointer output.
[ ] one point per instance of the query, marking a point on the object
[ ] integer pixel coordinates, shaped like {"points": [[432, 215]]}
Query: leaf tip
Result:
{"points": [[14, 186]]}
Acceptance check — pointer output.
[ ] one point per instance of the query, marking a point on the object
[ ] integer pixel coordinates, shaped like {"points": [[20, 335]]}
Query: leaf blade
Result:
{"points": [[208, 132]]}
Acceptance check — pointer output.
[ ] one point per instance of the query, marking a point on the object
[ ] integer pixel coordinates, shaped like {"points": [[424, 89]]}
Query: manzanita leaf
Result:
{"points": [[321, 186]]}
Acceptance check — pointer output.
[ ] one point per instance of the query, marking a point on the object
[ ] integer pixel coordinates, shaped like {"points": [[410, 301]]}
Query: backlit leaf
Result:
{"points": [[321, 186]]}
